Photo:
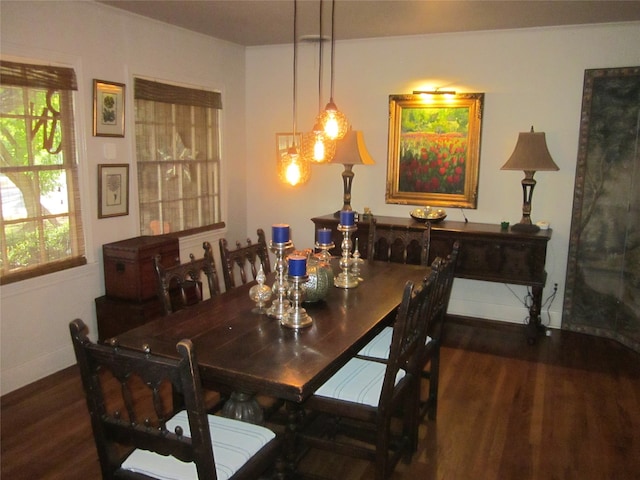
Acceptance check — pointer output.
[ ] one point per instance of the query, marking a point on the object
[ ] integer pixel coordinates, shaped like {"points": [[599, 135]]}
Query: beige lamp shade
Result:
{"points": [[531, 154], [351, 150]]}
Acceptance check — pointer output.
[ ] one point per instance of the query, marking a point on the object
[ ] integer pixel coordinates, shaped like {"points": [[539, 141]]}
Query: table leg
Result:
{"points": [[245, 407], [535, 327], [295, 414]]}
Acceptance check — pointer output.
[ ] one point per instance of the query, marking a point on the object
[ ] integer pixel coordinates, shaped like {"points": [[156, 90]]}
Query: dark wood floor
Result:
{"points": [[565, 408]]}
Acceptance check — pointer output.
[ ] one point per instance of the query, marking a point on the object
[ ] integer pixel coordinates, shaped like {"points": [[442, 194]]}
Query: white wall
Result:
{"points": [[530, 77], [104, 43]]}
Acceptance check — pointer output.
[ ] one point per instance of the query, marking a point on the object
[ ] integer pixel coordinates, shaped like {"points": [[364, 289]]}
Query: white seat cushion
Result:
{"points": [[359, 381], [381, 344], [234, 442]]}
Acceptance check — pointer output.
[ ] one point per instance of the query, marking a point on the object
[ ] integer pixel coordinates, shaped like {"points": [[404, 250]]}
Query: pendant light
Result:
{"points": [[293, 169], [333, 121], [316, 146]]}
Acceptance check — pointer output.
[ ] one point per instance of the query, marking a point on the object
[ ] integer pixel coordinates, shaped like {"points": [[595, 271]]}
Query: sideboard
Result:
{"points": [[487, 252]]}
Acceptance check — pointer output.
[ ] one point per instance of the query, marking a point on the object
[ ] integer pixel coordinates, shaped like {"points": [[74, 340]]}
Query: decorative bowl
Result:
{"points": [[428, 214]]}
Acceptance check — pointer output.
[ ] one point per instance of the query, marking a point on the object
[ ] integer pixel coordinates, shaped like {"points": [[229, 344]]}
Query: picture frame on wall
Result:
{"points": [[284, 141], [290, 173], [108, 109], [434, 149], [113, 190]]}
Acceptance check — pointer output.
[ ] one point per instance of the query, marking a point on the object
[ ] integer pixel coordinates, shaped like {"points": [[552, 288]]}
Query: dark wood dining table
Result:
{"points": [[253, 353]]}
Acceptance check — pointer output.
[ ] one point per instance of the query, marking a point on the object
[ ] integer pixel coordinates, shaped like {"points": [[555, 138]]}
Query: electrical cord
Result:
{"points": [[527, 302]]}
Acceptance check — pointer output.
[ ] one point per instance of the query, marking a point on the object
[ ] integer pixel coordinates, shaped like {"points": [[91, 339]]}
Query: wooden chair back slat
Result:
{"points": [[244, 259], [186, 280]]}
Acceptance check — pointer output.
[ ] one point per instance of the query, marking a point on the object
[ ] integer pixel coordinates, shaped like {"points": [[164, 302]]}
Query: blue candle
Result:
{"points": [[297, 265], [324, 236], [346, 218], [280, 233]]}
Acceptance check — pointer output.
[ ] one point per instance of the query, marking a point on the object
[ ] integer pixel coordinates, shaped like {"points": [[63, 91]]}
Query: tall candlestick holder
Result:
{"points": [[296, 317], [280, 305], [324, 255], [356, 261], [345, 278]]}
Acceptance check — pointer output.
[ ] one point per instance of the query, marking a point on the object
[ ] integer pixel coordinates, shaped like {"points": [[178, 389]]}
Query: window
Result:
{"points": [[178, 157], [40, 221]]}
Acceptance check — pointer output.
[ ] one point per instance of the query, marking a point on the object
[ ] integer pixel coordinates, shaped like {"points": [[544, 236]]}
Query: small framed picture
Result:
{"points": [[108, 109], [113, 190]]}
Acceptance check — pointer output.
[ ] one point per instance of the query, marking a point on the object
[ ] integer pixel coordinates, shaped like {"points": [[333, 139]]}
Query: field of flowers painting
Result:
{"points": [[433, 150]]}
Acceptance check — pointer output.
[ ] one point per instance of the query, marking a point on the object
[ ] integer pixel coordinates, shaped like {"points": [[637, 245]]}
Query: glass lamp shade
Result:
{"points": [[316, 147], [293, 169], [333, 121]]}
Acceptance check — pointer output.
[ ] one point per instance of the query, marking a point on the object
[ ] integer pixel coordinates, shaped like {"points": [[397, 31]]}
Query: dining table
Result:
{"points": [[253, 353], [247, 354]]}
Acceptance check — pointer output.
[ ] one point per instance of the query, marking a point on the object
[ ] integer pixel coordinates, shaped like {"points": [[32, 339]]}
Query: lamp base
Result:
{"points": [[525, 228]]}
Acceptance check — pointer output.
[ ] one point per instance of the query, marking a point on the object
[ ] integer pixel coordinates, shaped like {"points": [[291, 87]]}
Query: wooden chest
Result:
{"points": [[116, 316], [128, 265]]}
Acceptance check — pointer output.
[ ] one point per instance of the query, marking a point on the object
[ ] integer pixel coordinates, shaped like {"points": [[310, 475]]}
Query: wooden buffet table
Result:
{"points": [[487, 253]]}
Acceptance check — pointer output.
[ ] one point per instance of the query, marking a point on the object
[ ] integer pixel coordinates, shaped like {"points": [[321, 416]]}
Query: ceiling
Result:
{"points": [[269, 22]]}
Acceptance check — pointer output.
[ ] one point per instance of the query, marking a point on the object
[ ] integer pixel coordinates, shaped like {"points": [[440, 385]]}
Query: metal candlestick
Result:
{"points": [[297, 316], [346, 279], [280, 305], [324, 255]]}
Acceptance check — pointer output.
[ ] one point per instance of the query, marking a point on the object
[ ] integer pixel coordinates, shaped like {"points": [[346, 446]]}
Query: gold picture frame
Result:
{"points": [[108, 109], [434, 149], [113, 190]]}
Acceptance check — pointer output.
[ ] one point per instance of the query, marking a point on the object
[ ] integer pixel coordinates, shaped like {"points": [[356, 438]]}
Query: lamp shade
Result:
{"points": [[531, 154], [351, 150]]}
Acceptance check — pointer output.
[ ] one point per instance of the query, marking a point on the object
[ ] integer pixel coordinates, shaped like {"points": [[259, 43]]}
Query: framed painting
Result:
{"points": [[108, 109], [113, 190], [602, 294], [434, 149]]}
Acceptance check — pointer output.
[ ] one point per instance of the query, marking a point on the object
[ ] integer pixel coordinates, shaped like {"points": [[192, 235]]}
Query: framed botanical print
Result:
{"points": [[113, 190], [434, 149], [108, 109]]}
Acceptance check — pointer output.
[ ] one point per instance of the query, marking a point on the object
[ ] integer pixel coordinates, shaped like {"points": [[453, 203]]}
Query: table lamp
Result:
{"points": [[350, 151], [530, 155]]}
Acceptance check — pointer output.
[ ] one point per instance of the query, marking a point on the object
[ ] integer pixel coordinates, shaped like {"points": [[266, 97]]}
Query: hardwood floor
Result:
{"points": [[565, 408]]}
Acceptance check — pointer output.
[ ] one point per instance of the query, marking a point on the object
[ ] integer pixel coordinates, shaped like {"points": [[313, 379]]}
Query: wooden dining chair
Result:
{"points": [[181, 285], [244, 260], [351, 414], [392, 243], [141, 434], [441, 277], [441, 297]]}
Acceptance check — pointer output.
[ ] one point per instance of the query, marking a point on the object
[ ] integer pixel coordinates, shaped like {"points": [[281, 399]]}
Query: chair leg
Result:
{"points": [[433, 384], [412, 419]]}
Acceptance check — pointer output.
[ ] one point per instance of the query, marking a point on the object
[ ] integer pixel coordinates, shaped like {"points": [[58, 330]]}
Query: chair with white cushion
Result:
{"points": [[442, 274], [351, 414], [140, 435], [435, 329]]}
